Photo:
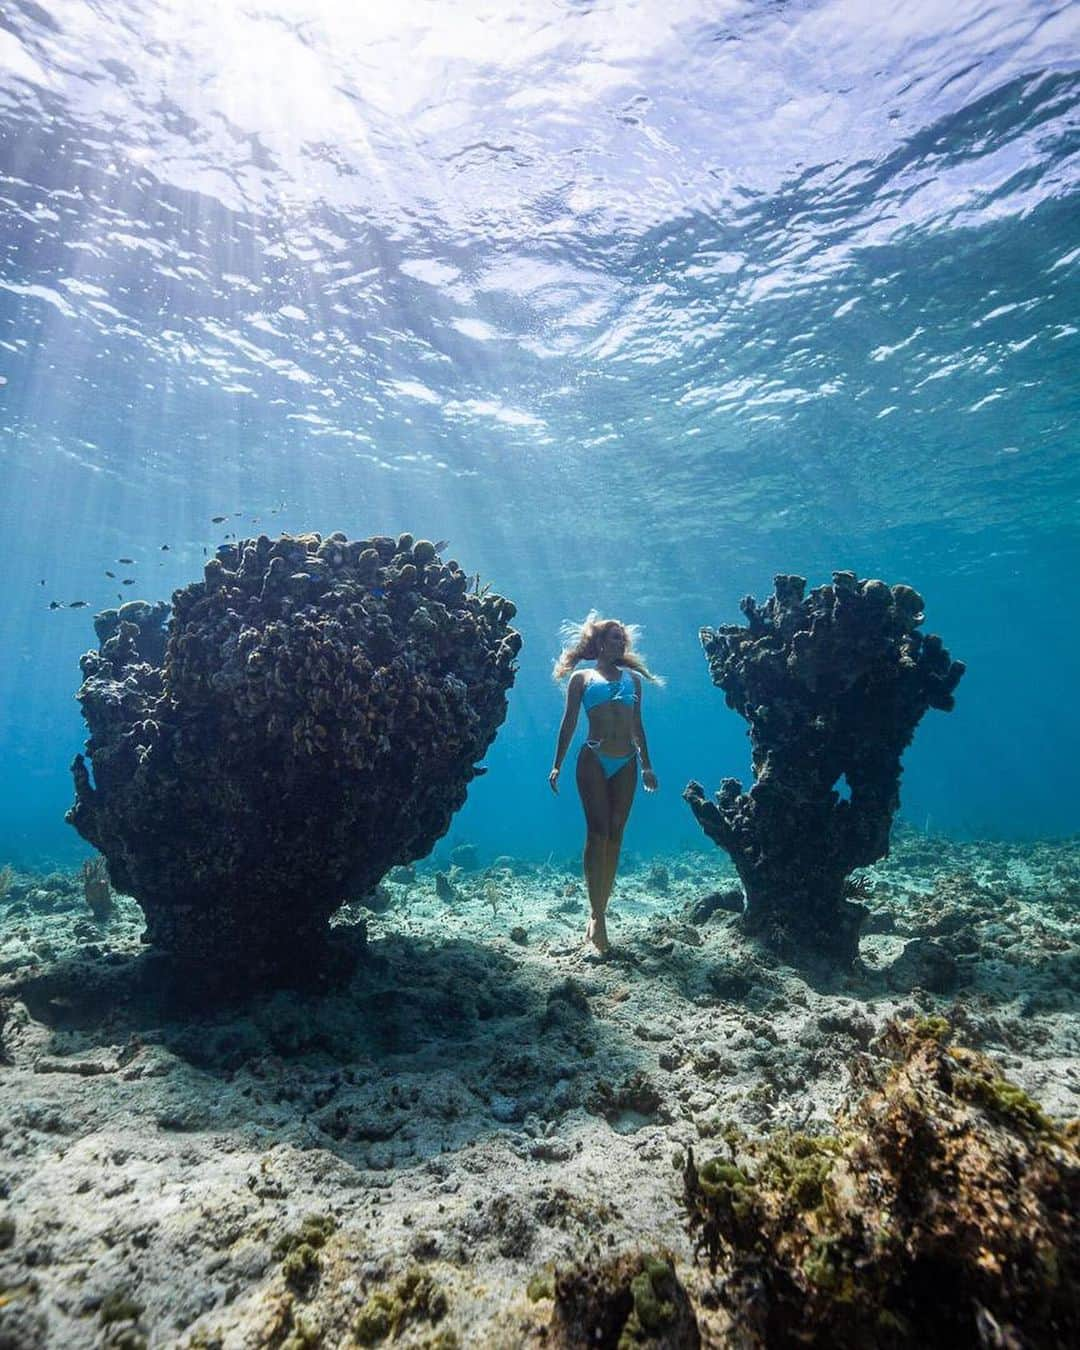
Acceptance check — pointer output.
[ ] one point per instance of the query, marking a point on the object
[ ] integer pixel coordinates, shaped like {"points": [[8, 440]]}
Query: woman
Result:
{"points": [[607, 762]]}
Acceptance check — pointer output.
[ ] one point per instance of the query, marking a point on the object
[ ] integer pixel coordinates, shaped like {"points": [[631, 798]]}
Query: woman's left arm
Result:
{"points": [[648, 777]]}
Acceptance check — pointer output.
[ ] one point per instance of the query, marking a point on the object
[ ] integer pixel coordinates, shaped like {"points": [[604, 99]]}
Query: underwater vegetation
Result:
{"points": [[833, 685], [615, 1304], [945, 1211], [310, 717]]}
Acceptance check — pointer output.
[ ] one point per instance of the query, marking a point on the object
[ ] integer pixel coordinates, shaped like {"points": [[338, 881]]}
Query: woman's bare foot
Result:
{"points": [[596, 933]]}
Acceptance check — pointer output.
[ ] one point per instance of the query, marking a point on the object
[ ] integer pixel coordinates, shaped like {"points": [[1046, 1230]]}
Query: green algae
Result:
{"points": [[798, 1166], [303, 1336], [1003, 1099], [298, 1251], [652, 1311], [314, 1231], [932, 1028], [414, 1298], [542, 1285]]}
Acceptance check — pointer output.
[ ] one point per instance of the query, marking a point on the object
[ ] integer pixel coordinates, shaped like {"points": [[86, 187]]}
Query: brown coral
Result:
{"points": [[945, 1214]]}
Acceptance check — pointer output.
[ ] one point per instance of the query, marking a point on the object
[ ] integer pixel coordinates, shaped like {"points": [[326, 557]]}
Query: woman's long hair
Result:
{"points": [[583, 644]]}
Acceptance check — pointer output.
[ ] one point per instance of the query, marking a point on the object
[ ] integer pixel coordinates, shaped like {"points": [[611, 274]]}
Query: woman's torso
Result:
{"points": [[611, 706]]}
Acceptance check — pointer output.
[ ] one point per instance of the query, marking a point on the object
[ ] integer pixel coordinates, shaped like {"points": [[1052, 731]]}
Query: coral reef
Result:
{"points": [[832, 685], [313, 719], [945, 1212]]}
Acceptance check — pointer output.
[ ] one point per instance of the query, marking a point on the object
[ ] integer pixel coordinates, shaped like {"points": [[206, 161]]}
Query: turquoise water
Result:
{"points": [[636, 305]]}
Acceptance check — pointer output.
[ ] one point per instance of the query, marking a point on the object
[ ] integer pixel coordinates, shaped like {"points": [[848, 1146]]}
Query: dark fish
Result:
{"points": [[78, 604], [125, 561], [41, 582], [111, 574], [164, 548], [128, 581], [56, 604], [216, 520], [441, 545], [204, 550]]}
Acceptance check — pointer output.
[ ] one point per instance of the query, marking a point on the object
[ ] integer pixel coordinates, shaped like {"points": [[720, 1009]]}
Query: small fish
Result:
{"points": [[41, 582], [128, 581], [126, 561], [164, 548], [56, 604], [378, 591], [78, 604], [216, 520], [204, 550], [441, 545], [110, 574]]}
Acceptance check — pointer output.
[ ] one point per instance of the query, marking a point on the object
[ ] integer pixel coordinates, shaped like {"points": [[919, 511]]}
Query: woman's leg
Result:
{"points": [[593, 789], [620, 787]]}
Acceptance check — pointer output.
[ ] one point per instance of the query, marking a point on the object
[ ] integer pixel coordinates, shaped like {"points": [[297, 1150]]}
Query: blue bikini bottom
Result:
{"points": [[611, 764]]}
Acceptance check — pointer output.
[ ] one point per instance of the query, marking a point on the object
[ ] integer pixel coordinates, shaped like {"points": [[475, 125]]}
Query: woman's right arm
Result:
{"points": [[566, 727]]}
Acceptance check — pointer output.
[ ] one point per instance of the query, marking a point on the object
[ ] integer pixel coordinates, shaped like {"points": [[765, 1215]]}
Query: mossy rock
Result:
{"points": [[941, 1214]]}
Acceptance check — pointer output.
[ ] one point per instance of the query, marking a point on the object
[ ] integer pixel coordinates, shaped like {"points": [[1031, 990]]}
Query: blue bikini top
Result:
{"points": [[599, 690]]}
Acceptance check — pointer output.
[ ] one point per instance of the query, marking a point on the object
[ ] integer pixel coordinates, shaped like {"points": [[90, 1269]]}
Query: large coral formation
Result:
{"points": [[314, 719], [832, 685], [946, 1212]]}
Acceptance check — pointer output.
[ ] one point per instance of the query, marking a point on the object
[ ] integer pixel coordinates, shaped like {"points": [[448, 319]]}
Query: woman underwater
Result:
{"points": [[607, 762]]}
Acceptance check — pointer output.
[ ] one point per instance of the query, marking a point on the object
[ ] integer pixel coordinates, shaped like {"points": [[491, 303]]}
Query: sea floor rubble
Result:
{"points": [[484, 1113]]}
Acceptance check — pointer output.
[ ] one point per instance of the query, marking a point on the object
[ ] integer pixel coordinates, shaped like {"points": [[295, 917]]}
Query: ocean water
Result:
{"points": [[635, 304]]}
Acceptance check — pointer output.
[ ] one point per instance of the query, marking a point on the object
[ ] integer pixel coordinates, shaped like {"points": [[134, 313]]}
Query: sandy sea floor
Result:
{"points": [[483, 1100]]}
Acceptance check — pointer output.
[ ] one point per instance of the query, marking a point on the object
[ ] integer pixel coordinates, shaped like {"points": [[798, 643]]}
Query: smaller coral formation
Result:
{"points": [[946, 1212], [833, 685]]}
